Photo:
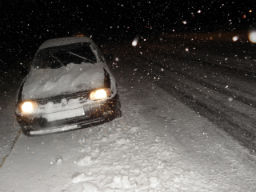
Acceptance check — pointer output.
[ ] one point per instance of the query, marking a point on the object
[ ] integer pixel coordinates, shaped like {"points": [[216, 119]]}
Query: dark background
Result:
{"points": [[24, 25]]}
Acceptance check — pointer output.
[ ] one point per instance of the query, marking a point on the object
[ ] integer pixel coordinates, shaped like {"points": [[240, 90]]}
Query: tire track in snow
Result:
{"points": [[186, 87], [245, 93], [239, 125]]}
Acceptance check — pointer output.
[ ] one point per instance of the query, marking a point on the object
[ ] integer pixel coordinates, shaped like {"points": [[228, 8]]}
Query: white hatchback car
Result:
{"points": [[69, 86]]}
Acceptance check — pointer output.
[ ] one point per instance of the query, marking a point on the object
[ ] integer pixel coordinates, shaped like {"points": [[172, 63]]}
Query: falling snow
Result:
{"points": [[252, 36], [186, 78], [135, 42], [235, 38]]}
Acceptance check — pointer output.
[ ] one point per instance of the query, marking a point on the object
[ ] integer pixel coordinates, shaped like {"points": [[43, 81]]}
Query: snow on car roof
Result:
{"points": [[63, 41]]}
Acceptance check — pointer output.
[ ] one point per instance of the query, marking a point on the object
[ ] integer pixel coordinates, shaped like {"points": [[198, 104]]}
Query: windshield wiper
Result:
{"points": [[81, 57], [57, 59]]}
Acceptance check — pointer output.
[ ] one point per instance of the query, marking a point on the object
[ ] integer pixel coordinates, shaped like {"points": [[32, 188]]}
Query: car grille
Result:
{"points": [[82, 95]]}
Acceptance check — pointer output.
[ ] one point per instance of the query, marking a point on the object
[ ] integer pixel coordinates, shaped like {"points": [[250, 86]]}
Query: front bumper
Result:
{"points": [[97, 114]]}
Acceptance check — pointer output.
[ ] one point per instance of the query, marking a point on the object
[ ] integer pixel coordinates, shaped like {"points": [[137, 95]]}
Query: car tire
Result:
{"points": [[25, 131]]}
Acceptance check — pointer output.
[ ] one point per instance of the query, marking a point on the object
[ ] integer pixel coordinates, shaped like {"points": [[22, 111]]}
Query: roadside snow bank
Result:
{"points": [[9, 130], [42, 83]]}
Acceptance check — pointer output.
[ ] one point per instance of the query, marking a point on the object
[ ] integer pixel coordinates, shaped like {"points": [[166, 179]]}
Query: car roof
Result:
{"points": [[64, 41]]}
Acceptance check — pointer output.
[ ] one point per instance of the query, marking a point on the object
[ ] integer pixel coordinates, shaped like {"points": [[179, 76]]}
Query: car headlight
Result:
{"points": [[99, 94], [28, 107]]}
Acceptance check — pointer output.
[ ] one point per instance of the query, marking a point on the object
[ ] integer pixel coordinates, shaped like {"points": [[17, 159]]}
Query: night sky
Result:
{"points": [[26, 24]]}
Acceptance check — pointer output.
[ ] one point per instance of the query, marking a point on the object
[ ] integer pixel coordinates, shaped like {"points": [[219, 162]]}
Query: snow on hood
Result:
{"points": [[43, 83]]}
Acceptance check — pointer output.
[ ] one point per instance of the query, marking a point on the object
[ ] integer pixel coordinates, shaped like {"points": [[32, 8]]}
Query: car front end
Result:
{"points": [[67, 112]]}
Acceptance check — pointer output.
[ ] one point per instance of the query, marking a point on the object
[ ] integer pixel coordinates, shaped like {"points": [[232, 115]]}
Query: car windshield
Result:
{"points": [[56, 57]]}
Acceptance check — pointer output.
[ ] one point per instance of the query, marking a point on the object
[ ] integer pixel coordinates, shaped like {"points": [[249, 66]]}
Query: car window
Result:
{"points": [[56, 57]]}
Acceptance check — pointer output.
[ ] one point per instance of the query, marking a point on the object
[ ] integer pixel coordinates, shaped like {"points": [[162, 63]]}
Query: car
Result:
{"points": [[69, 86]]}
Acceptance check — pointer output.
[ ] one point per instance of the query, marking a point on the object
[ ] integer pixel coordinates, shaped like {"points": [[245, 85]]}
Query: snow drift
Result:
{"points": [[42, 83]]}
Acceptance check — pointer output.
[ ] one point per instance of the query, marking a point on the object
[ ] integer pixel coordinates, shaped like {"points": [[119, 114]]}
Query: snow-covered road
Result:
{"points": [[226, 94], [159, 144]]}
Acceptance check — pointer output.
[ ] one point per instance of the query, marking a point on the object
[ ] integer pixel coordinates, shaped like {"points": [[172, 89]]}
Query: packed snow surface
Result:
{"points": [[48, 82], [159, 145]]}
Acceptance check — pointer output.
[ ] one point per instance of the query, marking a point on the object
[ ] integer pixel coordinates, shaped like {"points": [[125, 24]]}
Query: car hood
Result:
{"points": [[43, 83]]}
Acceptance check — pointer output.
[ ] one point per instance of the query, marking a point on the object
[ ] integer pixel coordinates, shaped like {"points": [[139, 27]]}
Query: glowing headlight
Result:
{"points": [[99, 94], [28, 107]]}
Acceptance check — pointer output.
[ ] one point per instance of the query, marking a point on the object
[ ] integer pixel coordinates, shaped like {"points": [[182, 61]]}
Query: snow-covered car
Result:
{"points": [[69, 86]]}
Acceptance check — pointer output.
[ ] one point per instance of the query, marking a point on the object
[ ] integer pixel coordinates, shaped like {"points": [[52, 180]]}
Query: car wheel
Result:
{"points": [[25, 131]]}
